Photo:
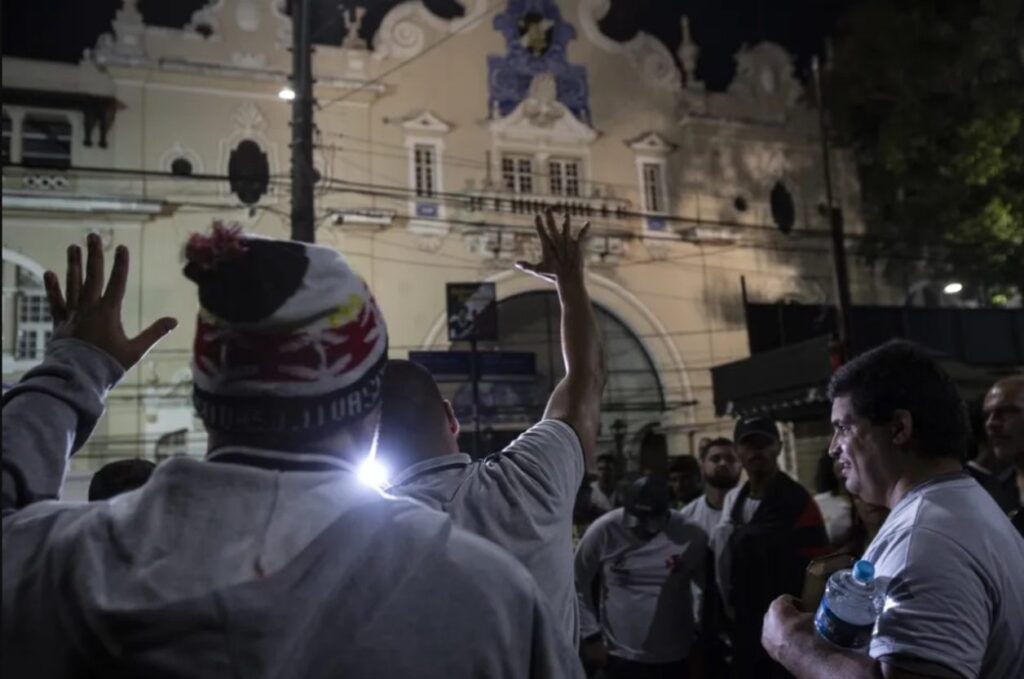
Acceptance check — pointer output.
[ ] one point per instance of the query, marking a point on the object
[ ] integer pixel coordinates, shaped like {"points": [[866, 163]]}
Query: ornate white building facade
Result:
{"points": [[435, 144]]}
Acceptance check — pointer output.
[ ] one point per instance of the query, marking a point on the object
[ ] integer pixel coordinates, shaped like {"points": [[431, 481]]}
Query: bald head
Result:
{"points": [[416, 422], [1004, 419]]}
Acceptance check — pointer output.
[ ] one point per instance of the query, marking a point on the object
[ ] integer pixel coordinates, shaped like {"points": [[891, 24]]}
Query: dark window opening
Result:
{"points": [[740, 204], [46, 141], [7, 128], [181, 167], [249, 172]]}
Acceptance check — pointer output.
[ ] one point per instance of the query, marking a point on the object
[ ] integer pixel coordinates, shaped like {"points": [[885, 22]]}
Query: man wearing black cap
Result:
{"points": [[771, 529], [649, 557]]}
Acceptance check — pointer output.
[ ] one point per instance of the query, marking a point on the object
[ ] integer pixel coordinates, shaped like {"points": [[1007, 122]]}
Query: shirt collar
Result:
{"points": [[280, 460], [431, 465]]}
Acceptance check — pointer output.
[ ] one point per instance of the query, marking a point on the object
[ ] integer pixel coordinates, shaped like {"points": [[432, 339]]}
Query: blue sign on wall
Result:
{"points": [[456, 366], [425, 209]]}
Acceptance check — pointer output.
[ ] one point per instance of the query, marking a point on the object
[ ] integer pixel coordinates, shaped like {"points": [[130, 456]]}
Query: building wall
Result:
{"points": [[677, 288]]}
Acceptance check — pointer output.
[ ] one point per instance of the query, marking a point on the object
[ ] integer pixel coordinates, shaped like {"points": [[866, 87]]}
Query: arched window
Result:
{"points": [[27, 325], [181, 167], [530, 323], [248, 171]]}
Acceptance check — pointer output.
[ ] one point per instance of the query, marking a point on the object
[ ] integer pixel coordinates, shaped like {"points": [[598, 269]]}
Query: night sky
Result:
{"points": [[61, 29]]}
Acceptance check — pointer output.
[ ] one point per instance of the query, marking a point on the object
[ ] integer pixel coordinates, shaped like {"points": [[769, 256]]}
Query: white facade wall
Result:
{"points": [[426, 82]]}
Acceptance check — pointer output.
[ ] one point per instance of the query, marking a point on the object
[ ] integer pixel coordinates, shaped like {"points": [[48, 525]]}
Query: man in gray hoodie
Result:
{"points": [[270, 558]]}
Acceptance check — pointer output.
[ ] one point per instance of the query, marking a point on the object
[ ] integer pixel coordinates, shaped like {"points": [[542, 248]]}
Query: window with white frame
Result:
{"points": [[46, 141], [425, 169], [35, 326], [653, 178], [517, 173], [27, 325], [564, 177]]}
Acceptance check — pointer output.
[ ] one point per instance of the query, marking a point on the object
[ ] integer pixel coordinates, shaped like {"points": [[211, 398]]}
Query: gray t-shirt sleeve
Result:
{"points": [[936, 609], [548, 458]]}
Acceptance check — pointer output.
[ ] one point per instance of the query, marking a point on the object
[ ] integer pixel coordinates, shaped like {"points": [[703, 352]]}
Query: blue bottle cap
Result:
{"points": [[863, 572]]}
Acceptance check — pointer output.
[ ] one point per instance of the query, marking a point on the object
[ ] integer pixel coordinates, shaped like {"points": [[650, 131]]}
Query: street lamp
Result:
{"points": [[953, 288], [286, 93]]}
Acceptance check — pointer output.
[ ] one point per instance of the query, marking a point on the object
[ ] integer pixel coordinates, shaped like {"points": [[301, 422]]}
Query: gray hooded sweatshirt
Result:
{"points": [[224, 570]]}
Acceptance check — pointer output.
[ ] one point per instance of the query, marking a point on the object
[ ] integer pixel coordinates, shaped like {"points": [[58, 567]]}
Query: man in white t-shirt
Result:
{"points": [[649, 558], [721, 471], [948, 560], [521, 498]]}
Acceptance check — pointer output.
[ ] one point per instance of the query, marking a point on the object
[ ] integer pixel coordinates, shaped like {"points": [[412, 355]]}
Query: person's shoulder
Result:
{"points": [[553, 430], [685, 528], [606, 521], [692, 508], [730, 500]]}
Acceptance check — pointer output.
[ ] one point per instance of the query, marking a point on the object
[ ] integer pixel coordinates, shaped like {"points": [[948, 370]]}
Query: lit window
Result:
{"points": [[654, 197], [46, 141], [425, 171], [517, 173], [564, 177]]}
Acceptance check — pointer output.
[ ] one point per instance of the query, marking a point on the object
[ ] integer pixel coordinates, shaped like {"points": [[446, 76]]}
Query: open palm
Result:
{"points": [[562, 254], [88, 313]]}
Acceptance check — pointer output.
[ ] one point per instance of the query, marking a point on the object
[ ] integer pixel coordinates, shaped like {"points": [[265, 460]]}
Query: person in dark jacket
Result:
{"points": [[771, 529]]}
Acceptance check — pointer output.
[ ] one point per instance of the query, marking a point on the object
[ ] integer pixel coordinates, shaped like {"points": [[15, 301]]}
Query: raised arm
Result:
{"points": [[52, 411], [576, 400]]}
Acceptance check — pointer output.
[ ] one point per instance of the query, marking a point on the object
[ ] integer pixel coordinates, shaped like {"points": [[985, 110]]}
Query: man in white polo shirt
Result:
{"points": [[521, 498], [949, 561], [649, 557]]}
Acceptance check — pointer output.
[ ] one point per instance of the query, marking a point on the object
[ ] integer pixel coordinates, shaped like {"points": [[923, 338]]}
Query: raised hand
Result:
{"points": [[562, 255], [88, 313]]}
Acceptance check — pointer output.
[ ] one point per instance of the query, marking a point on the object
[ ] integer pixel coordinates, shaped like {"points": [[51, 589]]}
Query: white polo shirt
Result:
{"points": [[646, 602], [702, 514], [952, 567], [521, 499]]}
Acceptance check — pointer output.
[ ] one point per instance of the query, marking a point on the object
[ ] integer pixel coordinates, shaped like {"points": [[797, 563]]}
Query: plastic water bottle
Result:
{"points": [[850, 607]]}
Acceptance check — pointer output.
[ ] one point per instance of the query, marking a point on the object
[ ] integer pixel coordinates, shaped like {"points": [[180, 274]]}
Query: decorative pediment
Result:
{"points": [[652, 143], [542, 118], [425, 121]]}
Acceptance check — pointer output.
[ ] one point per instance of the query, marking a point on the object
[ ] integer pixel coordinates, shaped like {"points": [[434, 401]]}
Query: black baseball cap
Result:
{"points": [[755, 426], [647, 497]]}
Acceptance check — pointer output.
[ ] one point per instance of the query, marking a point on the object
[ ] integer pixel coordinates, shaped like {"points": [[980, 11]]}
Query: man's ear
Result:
{"points": [[902, 427], [453, 422]]}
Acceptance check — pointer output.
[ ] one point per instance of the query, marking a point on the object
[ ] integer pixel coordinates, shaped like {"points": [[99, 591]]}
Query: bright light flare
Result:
{"points": [[286, 93], [953, 288], [373, 473]]}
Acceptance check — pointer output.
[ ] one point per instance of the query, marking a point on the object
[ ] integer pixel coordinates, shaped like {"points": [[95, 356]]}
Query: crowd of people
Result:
{"points": [[273, 558]]}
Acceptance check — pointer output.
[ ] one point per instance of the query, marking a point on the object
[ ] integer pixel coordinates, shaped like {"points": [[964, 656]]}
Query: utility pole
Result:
{"points": [[835, 220], [302, 124]]}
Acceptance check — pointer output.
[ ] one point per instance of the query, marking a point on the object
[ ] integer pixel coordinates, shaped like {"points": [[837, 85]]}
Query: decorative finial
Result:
{"points": [[688, 52]]}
